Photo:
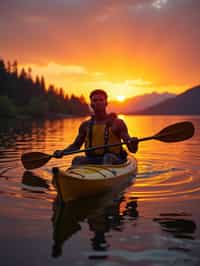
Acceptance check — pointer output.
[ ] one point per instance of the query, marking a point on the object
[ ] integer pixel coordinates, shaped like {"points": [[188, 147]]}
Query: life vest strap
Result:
{"points": [[106, 135], [107, 128]]}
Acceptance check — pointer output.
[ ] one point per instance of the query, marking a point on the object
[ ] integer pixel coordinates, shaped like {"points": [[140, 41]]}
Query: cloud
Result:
{"points": [[157, 40], [84, 78], [138, 82], [79, 79], [127, 87], [159, 3], [55, 70]]}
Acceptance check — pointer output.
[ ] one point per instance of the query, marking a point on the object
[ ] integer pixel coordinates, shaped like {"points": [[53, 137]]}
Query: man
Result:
{"points": [[101, 129]]}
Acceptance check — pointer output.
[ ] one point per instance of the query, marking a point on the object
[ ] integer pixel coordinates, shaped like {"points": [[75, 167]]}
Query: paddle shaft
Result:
{"points": [[173, 133], [103, 146]]}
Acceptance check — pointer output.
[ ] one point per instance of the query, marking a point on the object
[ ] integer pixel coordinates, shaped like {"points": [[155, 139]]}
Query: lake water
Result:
{"points": [[156, 221]]}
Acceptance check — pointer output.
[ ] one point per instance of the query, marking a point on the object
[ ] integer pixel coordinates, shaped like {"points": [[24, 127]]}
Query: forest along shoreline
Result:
{"points": [[23, 97]]}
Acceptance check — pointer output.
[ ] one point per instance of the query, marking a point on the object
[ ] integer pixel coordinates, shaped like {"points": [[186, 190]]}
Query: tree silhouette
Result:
{"points": [[24, 96]]}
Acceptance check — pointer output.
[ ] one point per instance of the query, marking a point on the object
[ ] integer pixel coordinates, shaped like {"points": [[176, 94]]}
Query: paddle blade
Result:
{"points": [[32, 160], [176, 132]]}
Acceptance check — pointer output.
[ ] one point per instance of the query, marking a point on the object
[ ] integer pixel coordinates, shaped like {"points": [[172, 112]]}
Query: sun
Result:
{"points": [[120, 98]]}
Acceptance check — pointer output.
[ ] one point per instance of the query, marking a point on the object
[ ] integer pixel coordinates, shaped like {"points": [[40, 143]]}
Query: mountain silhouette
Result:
{"points": [[186, 103], [139, 102]]}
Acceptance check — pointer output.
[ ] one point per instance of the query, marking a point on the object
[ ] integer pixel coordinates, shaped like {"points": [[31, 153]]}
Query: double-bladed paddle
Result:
{"points": [[173, 133]]}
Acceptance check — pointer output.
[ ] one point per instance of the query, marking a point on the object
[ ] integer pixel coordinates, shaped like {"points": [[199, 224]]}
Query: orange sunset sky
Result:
{"points": [[126, 47]]}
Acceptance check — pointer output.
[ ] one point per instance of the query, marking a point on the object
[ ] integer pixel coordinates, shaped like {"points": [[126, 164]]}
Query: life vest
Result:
{"points": [[101, 134]]}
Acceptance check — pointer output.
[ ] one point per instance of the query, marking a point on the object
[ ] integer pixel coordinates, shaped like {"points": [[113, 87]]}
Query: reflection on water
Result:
{"points": [[33, 182], [178, 227], [102, 215], [155, 222]]}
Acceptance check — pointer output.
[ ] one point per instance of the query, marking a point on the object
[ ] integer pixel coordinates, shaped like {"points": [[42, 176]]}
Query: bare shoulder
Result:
{"points": [[119, 122], [84, 125], [118, 126]]}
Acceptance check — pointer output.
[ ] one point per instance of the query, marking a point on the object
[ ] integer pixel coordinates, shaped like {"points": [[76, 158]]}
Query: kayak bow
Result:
{"points": [[90, 180]]}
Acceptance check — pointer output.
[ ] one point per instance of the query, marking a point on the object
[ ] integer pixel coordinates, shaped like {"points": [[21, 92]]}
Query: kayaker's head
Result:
{"points": [[98, 100]]}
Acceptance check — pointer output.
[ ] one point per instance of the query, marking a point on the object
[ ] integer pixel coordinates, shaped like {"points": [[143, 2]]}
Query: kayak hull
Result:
{"points": [[90, 180]]}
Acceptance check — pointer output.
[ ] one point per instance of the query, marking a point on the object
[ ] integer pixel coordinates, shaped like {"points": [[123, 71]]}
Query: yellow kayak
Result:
{"points": [[92, 179]]}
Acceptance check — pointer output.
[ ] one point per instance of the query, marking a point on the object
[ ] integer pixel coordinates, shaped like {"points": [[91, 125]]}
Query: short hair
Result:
{"points": [[99, 92]]}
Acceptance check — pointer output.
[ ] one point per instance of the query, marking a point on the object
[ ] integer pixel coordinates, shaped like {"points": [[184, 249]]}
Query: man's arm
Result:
{"points": [[120, 129], [78, 142]]}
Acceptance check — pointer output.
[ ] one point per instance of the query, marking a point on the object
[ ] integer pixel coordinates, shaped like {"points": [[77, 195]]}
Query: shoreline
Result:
{"points": [[49, 116]]}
